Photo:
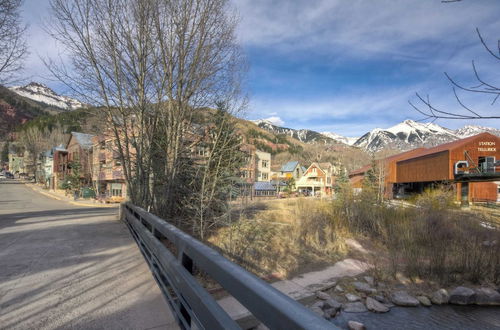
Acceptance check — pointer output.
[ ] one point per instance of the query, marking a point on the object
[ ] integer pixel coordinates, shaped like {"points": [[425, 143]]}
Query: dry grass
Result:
{"points": [[434, 240], [287, 237]]}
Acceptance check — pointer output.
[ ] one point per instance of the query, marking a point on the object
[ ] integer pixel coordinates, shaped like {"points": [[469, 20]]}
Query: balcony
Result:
{"points": [[110, 174]]}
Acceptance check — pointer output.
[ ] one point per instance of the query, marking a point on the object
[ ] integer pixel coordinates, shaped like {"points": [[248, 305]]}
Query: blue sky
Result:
{"points": [[347, 66]]}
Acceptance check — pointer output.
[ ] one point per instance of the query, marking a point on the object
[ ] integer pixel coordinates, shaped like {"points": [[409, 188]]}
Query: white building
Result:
{"points": [[263, 160]]}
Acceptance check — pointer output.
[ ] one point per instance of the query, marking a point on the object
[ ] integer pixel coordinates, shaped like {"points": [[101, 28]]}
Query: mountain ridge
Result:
{"points": [[40, 93], [403, 136]]}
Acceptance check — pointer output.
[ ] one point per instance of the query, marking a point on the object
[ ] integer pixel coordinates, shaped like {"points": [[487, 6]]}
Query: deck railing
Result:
{"points": [[191, 304]]}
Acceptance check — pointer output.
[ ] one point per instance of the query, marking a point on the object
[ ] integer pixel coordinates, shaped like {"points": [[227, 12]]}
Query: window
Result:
{"points": [[265, 163], [313, 170], [118, 162], [116, 189], [265, 176], [102, 145], [486, 164]]}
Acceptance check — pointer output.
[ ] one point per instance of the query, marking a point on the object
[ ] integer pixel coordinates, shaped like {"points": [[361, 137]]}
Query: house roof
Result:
{"points": [[449, 146], [278, 182], [85, 140], [324, 166], [289, 167], [263, 186], [420, 152]]}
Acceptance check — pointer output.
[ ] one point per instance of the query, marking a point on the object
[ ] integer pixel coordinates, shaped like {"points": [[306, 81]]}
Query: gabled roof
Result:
{"points": [[318, 166], [263, 186], [289, 167], [85, 140], [420, 152], [449, 146]]}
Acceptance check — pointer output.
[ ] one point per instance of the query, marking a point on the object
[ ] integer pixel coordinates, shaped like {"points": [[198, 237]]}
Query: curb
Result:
{"points": [[69, 202]]}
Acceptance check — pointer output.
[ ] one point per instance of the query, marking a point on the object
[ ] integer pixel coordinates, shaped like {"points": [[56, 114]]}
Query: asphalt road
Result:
{"points": [[71, 267]]}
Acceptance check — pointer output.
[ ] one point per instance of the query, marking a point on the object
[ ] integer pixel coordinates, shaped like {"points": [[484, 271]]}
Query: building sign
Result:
{"points": [[487, 146]]}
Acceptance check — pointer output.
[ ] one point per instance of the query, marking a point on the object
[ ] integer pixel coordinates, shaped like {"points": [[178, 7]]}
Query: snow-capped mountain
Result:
{"points": [[303, 135], [470, 130], [410, 134], [406, 135], [41, 93], [340, 138]]}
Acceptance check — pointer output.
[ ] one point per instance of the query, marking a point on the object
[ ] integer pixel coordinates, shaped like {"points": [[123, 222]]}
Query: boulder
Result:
{"points": [[462, 296], [332, 303], [487, 297], [329, 313], [353, 325], [317, 310], [440, 297], [402, 279], [402, 298], [318, 304], [424, 301], [370, 280], [322, 295], [354, 307], [338, 288], [352, 297], [375, 306], [363, 287]]}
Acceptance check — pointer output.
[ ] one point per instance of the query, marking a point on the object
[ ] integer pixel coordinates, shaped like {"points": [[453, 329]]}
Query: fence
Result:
{"points": [[191, 304]]}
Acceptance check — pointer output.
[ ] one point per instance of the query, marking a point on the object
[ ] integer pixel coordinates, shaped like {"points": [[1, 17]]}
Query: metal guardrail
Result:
{"points": [[191, 304]]}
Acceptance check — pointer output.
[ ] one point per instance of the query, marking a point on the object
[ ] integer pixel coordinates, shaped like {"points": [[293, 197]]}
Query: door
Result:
{"points": [[465, 193]]}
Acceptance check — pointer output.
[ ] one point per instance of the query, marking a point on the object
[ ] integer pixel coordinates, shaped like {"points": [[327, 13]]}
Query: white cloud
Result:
{"points": [[275, 121], [365, 28]]}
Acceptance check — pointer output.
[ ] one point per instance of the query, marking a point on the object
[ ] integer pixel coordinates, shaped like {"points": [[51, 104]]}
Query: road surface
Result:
{"points": [[71, 267]]}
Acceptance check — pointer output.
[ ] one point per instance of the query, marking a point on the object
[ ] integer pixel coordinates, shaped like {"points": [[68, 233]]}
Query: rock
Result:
{"points": [[487, 297], [424, 301], [375, 306], [318, 304], [370, 280], [381, 285], [462, 296], [363, 287], [317, 310], [352, 297], [402, 298], [402, 279], [338, 288], [380, 299], [329, 313], [440, 297], [353, 325], [354, 307], [322, 295], [332, 303]]}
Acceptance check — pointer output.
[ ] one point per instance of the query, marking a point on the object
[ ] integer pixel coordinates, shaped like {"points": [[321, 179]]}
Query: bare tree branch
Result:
{"points": [[13, 48], [482, 87]]}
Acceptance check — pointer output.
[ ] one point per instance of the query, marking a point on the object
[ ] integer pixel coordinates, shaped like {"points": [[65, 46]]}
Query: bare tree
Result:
{"points": [[481, 87], [13, 48], [150, 65]]}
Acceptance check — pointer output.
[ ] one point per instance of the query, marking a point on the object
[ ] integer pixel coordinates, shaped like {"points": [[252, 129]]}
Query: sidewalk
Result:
{"points": [[61, 197]]}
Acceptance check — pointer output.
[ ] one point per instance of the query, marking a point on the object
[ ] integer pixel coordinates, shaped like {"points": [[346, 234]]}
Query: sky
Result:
{"points": [[345, 66]]}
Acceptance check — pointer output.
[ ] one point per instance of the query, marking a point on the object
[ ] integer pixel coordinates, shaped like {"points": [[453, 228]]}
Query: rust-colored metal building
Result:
{"points": [[470, 164]]}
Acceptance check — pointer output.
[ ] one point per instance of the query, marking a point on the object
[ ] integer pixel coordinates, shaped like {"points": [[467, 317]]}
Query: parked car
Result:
{"points": [[2, 176]]}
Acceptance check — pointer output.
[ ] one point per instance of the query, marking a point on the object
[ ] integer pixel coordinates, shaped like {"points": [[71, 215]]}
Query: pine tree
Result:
{"points": [[5, 152]]}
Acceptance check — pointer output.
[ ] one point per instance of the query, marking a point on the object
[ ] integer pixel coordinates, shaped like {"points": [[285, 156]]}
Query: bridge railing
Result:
{"points": [[191, 304]]}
